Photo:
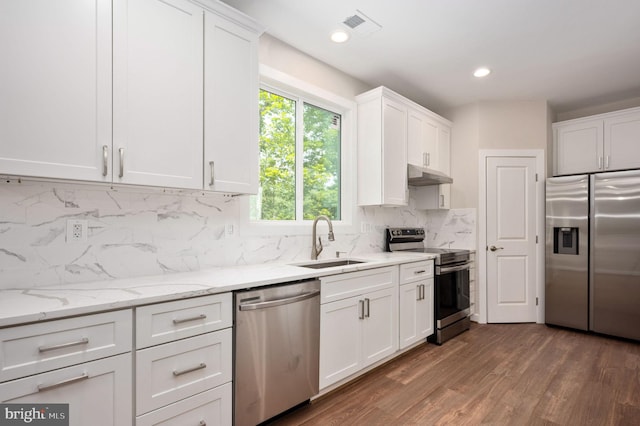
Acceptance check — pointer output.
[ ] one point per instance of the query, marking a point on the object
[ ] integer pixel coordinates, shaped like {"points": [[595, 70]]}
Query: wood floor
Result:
{"points": [[496, 374]]}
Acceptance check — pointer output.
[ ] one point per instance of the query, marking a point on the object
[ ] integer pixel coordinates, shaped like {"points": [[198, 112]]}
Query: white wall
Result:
{"points": [[597, 109], [492, 125]]}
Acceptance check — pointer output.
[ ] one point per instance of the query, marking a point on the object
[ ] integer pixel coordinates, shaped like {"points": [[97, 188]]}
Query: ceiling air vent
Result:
{"points": [[353, 21], [361, 24]]}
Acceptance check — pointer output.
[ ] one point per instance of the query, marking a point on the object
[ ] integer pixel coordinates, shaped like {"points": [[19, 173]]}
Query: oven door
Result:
{"points": [[452, 293]]}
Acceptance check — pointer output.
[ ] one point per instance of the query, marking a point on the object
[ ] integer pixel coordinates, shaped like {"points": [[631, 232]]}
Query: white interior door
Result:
{"points": [[511, 239]]}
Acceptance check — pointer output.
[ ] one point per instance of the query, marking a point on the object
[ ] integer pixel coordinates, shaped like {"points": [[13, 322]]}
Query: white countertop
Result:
{"points": [[21, 306]]}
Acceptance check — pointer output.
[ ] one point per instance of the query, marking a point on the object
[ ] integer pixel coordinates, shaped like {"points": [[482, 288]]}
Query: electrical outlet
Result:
{"points": [[228, 229], [76, 230]]}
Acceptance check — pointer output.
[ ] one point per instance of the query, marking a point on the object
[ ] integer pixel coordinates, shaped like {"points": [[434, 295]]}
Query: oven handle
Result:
{"points": [[446, 270]]}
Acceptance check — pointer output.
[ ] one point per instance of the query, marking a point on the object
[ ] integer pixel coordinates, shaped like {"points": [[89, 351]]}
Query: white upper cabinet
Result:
{"points": [[182, 86], [579, 147], [599, 143], [382, 148], [422, 140], [428, 140], [158, 93], [55, 86], [231, 117], [622, 141]]}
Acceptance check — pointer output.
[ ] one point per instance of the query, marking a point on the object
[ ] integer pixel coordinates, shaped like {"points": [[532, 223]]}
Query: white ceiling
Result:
{"points": [[573, 53]]}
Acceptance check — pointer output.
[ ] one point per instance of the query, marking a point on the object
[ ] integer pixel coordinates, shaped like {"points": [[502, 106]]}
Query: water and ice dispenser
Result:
{"points": [[565, 240]]}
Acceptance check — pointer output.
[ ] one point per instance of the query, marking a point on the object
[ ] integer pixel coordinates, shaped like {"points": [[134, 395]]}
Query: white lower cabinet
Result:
{"points": [[212, 407], [361, 327], [184, 362], [98, 392], [416, 302], [84, 362]]}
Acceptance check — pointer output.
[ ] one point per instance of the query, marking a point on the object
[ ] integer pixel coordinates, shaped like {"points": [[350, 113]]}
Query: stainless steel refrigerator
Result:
{"points": [[593, 253]]}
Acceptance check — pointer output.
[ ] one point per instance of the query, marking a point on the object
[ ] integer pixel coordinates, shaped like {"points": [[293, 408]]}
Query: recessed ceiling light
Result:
{"points": [[339, 36], [482, 72]]}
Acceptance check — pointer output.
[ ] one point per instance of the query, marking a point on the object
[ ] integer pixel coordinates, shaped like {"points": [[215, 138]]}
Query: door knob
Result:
{"points": [[494, 248]]}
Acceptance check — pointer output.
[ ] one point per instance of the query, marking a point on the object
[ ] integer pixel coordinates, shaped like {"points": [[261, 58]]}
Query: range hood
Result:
{"points": [[422, 176]]}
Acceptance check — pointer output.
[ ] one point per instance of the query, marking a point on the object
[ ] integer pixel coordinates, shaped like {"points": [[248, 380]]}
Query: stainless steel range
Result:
{"points": [[451, 281]]}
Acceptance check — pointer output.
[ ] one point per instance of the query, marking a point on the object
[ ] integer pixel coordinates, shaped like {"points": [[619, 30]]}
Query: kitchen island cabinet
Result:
{"points": [[600, 143]]}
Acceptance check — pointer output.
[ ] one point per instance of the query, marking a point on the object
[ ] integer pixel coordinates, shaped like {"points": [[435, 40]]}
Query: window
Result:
{"points": [[300, 160]]}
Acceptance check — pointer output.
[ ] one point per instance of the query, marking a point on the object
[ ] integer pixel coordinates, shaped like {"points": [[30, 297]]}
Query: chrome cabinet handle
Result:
{"points": [[441, 200], [422, 271], [599, 162], [419, 291], [189, 370], [606, 162], [361, 309], [368, 307], [82, 341], [121, 153], [105, 159], [494, 248], [212, 168], [42, 388], [197, 317]]}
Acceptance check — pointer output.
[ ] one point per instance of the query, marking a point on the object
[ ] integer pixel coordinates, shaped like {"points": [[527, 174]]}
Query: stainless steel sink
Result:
{"points": [[330, 263]]}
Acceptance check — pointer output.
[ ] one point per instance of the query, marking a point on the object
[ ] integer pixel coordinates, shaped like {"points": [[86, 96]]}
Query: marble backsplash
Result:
{"points": [[134, 232], [455, 228]]}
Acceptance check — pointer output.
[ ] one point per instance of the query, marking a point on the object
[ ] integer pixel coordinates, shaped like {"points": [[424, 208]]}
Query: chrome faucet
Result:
{"points": [[317, 249]]}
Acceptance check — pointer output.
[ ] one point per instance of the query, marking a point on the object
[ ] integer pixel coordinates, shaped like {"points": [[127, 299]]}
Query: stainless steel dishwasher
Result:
{"points": [[277, 344]]}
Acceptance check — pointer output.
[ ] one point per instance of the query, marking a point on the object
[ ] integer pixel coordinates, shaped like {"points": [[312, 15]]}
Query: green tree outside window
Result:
{"points": [[320, 161]]}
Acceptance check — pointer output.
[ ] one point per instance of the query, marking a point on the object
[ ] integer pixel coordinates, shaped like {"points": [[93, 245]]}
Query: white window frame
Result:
{"points": [[286, 85]]}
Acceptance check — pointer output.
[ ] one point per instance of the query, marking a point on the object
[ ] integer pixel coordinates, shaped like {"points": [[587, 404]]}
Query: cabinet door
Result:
{"points": [[55, 85], [579, 148], [230, 107], [380, 325], [425, 310], [622, 142], [158, 93], [408, 330], [416, 312], [340, 344], [394, 159], [98, 392], [422, 137]]}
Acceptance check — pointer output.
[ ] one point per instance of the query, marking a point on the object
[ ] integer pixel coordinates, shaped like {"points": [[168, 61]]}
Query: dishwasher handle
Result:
{"points": [[279, 302]]}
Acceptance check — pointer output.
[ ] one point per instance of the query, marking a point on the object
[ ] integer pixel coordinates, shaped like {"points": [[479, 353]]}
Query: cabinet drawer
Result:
{"points": [[212, 407], [36, 348], [416, 271], [165, 322], [98, 392], [338, 287], [177, 370]]}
